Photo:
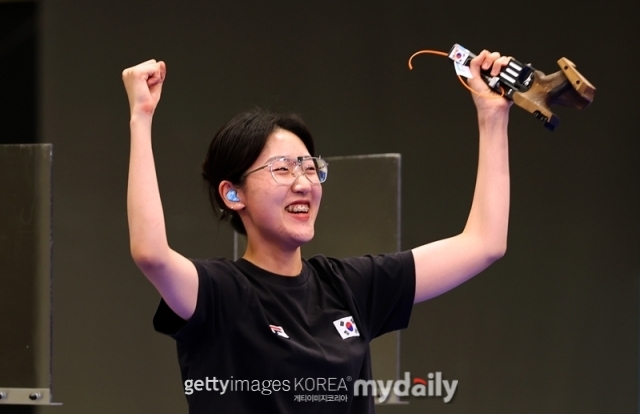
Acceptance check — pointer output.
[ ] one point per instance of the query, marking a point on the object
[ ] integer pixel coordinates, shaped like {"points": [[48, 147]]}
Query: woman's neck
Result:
{"points": [[279, 261]]}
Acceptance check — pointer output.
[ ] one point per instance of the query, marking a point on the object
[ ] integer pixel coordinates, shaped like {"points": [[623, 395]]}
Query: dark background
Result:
{"points": [[552, 327]]}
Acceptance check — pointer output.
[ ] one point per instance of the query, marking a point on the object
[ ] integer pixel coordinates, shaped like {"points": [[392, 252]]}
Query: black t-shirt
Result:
{"points": [[263, 343]]}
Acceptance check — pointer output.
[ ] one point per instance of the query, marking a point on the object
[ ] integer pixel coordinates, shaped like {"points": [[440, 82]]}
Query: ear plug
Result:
{"points": [[232, 196]]}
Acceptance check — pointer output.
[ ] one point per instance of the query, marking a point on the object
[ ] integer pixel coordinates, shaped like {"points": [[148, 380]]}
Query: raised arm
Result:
{"points": [[445, 264], [174, 276]]}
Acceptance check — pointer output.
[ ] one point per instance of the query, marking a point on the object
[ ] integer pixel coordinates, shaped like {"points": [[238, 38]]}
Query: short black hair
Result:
{"points": [[237, 145]]}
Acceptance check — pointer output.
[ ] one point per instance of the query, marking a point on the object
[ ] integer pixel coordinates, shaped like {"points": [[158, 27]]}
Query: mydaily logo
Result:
{"points": [[418, 387]]}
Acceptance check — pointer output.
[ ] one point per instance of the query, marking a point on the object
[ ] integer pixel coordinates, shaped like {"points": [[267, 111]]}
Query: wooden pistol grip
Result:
{"points": [[566, 87], [536, 99], [579, 83]]}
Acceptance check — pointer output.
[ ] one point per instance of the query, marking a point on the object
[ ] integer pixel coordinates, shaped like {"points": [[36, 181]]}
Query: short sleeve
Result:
{"points": [[383, 289], [221, 294]]}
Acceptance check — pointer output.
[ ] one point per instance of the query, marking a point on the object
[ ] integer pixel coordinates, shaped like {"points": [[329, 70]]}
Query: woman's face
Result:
{"points": [[279, 213]]}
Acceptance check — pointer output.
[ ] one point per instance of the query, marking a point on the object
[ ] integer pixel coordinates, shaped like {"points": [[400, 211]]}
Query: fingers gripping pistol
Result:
{"points": [[531, 89]]}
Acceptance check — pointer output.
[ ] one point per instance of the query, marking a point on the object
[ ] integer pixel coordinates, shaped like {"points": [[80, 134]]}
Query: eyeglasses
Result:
{"points": [[286, 170]]}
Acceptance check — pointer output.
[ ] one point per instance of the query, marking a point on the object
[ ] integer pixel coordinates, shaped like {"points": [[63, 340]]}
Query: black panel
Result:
{"points": [[18, 72]]}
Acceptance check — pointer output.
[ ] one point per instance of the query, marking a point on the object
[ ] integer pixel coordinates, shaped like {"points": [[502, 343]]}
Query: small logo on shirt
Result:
{"points": [[346, 327], [278, 331]]}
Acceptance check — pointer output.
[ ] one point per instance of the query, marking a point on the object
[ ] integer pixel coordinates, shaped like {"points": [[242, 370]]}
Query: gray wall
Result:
{"points": [[552, 328]]}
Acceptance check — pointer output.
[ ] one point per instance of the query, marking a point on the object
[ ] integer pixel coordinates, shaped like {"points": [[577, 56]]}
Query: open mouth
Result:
{"points": [[301, 208]]}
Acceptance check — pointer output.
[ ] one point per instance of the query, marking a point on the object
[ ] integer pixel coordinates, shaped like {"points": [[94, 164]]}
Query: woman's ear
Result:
{"points": [[230, 196]]}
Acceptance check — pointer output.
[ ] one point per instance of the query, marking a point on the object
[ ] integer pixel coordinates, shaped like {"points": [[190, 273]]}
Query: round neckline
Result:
{"points": [[251, 269]]}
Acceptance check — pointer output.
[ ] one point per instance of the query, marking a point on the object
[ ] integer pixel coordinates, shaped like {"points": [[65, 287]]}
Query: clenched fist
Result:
{"points": [[143, 83], [486, 100]]}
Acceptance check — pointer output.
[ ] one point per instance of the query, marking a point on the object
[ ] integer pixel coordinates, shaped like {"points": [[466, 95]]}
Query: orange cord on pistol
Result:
{"points": [[437, 52]]}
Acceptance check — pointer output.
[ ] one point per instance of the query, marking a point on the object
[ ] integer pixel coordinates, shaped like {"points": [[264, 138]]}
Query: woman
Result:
{"points": [[272, 332]]}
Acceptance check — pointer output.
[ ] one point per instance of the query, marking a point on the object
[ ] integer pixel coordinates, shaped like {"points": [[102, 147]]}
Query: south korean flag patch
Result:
{"points": [[346, 327]]}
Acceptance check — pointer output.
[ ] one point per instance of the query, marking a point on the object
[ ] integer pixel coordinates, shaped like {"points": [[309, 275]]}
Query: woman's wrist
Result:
{"points": [[493, 118], [140, 120]]}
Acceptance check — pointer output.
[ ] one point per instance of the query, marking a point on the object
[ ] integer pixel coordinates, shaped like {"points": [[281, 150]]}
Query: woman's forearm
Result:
{"points": [[147, 233]]}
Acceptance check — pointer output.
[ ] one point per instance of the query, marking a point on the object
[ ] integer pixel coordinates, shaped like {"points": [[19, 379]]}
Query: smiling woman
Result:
{"points": [[266, 205], [235, 149], [273, 317]]}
